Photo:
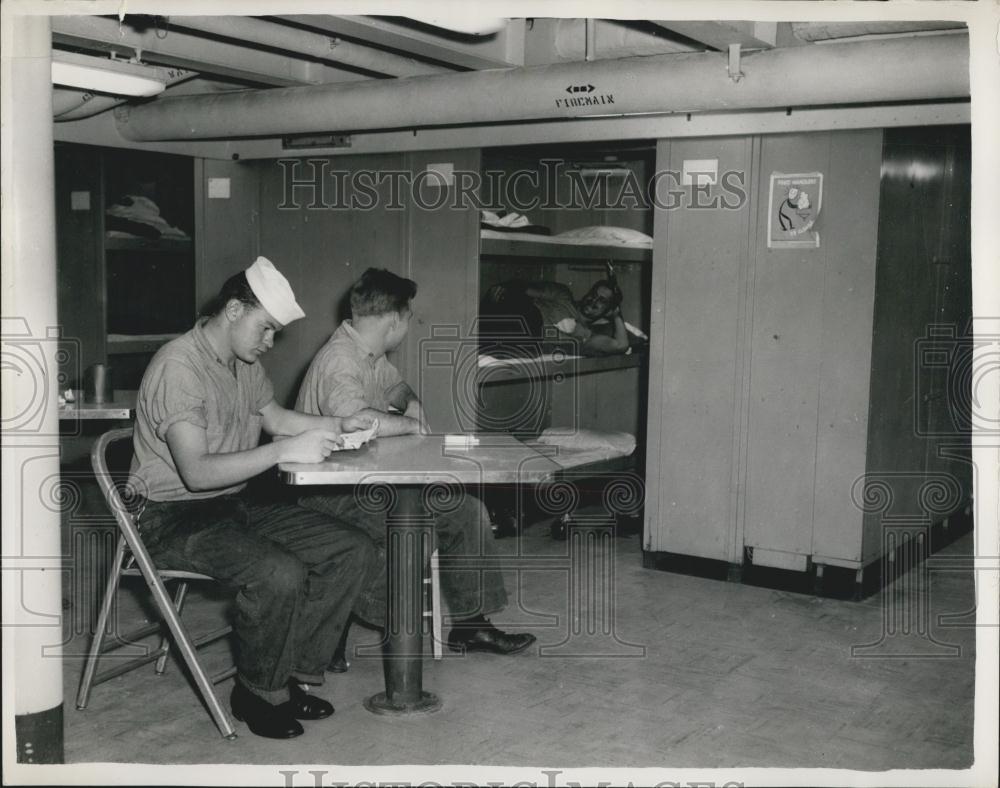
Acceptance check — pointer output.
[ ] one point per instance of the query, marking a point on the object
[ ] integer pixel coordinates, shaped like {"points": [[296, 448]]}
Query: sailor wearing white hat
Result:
{"points": [[201, 406], [273, 291]]}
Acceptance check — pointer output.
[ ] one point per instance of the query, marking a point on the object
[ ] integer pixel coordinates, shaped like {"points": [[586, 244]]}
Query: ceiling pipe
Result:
{"points": [[931, 67], [300, 42], [85, 104], [66, 99], [828, 31]]}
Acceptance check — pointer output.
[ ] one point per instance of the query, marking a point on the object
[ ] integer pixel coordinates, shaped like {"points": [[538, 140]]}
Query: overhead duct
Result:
{"points": [[828, 31], [933, 67], [77, 104], [66, 99]]}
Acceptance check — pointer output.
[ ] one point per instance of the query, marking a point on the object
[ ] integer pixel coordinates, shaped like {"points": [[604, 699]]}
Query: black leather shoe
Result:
{"points": [[305, 706], [486, 637], [263, 718]]}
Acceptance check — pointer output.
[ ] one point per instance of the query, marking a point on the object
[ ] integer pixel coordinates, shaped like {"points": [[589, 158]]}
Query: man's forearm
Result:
{"points": [[202, 470], [599, 343], [292, 422], [390, 424], [416, 411], [621, 333], [217, 471]]}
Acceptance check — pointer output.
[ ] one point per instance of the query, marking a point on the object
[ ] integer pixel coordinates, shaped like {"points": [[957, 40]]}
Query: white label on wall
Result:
{"points": [[443, 174], [700, 172], [218, 188], [79, 201]]}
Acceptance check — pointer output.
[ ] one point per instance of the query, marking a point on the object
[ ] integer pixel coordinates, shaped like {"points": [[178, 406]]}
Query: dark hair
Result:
{"points": [[379, 292], [616, 292], [236, 287]]}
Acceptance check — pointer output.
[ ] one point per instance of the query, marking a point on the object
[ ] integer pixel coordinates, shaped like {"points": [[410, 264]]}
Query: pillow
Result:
{"points": [[607, 235]]}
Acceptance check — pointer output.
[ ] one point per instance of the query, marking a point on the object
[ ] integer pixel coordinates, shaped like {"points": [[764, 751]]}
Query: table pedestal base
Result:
{"points": [[380, 703], [409, 528]]}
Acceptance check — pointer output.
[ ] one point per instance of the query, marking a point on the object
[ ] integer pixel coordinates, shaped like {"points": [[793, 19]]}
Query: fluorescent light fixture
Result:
{"points": [[103, 75]]}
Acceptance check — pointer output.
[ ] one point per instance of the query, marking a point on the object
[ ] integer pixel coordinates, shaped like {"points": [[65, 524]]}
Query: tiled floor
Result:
{"points": [[637, 667]]}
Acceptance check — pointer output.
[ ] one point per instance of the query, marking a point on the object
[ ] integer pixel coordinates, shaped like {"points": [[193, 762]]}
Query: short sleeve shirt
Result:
{"points": [[564, 316], [186, 381], [346, 376]]}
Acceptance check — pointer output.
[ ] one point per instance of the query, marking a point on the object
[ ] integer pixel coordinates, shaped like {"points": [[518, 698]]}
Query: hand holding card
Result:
{"points": [[355, 440]]}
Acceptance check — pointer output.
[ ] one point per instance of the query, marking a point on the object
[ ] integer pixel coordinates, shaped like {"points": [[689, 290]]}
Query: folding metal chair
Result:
{"points": [[132, 560]]}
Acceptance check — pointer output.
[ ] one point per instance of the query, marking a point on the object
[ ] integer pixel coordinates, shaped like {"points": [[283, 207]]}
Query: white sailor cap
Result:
{"points": [[273, 291]]}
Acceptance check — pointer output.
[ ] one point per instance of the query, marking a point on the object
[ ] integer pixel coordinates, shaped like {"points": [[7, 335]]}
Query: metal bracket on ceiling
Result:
{"points": [[734, 63], [589, 39]]}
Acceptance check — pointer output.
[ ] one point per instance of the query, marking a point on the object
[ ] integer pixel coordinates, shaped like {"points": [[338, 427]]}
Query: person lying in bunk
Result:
{"points": [[519, 316], [350, 376]]}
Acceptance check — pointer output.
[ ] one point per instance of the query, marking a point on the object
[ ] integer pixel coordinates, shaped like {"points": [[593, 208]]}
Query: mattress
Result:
{"points": [[558, 240]]}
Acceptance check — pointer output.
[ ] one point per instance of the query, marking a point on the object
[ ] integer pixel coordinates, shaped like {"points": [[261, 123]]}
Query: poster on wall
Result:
{"points": [[793, 207]]}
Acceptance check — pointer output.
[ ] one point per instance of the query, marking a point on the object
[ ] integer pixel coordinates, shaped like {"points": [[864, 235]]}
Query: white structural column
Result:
{"points": [[32, 654]]}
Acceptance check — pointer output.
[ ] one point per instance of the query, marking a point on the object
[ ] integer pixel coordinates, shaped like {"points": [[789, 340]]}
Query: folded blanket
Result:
{"points": [[511, 223], [572, 448], [140, 216], [614, 444]]}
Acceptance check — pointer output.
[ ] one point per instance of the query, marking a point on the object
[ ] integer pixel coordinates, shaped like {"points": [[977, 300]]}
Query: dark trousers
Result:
{"points": [[296, 572], [464, 535]]}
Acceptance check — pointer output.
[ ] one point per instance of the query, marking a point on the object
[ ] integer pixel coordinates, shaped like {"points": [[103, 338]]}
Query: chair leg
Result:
{"points": [[436, 635], [179, 596], [97, 642], [187, 648]]}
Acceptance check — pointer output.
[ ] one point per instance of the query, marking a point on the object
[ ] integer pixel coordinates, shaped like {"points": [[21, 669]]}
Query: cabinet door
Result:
{"points": [[696, 357], [842, 422]]}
